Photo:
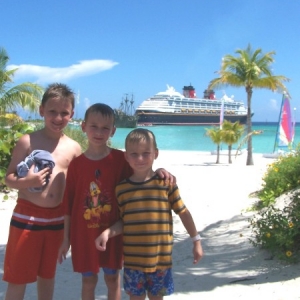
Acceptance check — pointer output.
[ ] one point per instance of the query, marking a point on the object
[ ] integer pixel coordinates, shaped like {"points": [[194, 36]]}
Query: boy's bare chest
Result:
{"points": [[62, 153]]}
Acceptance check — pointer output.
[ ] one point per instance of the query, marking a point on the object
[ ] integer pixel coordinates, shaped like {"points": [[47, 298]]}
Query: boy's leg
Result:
{"points": [[137, 297], [45, 288], [156, 284], [89, 283], [15, 291], [113, 284], [151, 297]]}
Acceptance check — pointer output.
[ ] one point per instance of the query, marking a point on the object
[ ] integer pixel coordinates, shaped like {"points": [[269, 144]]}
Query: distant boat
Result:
{"points": [[285, 130], [124, 115], [173, 108]]}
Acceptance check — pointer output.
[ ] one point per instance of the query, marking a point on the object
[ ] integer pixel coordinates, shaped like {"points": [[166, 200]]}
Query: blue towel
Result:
{"points": [[41, 159]]}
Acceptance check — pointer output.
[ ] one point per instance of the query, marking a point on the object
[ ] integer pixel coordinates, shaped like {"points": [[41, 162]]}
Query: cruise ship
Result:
{"points": [[173, 108]]}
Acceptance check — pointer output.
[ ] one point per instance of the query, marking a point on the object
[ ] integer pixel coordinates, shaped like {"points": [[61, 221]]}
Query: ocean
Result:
{"points": [[193, 138]]}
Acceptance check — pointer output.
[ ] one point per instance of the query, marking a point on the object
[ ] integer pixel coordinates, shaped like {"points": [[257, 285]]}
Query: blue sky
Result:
{"points": [[106, 49]]}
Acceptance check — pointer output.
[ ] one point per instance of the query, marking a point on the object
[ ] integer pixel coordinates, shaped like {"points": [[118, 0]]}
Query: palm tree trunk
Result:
{"points": [[218, 154], [249, 127], [229, 154]]}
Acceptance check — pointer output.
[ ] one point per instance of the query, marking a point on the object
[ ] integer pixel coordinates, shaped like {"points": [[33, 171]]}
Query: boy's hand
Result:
{"points": [[167, 176], [63, 250], [37, 179], [101, 241], [197, 251]]}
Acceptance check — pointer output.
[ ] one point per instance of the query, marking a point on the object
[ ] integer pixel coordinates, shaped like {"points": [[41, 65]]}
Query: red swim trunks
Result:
{"points": [[35, 236]]}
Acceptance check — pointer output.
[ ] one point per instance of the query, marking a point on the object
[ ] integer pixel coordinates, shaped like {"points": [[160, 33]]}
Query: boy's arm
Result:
{"points": [[20, 152], [64, 248], [188, 223], [110, 232]]}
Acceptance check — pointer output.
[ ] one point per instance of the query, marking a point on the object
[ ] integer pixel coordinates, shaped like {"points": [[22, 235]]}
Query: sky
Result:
{"points": [[105, 50]]}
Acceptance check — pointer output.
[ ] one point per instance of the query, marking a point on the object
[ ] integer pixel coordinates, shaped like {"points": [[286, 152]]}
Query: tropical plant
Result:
{"points": [[8, 139], [26, 95], [10, 119], [250, 69], [246, 138], [215, 134], [231, 133], [281, 176], [75, 133], [275, 226], [277, 229]]}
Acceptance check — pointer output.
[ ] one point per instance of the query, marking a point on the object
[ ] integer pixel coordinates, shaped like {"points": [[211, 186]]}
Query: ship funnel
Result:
{"points": [[189, 91], [209, 94]]}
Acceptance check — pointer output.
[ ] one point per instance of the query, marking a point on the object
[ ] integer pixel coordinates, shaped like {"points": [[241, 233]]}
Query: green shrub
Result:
{"points": [[75, 133], [8, 140], [281, 176], [9, 119], [278, 230]]}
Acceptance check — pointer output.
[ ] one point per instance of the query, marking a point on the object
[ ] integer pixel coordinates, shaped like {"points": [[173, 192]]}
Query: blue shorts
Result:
{"points": [[159, 283], [106, 271]]}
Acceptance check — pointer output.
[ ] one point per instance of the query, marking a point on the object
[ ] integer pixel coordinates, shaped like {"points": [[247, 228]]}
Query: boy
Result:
{"points": [[145, 205], [90, 204], [36, 228]]}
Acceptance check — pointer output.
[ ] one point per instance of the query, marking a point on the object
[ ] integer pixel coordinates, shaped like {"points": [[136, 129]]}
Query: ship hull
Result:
{"points": [[185, 119]]}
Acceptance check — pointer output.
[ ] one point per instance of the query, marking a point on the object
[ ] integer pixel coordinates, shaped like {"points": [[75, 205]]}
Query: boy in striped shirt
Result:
{"points": [[146, 205]]}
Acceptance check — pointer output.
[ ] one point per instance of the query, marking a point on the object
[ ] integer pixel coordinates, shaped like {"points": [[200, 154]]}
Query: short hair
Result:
{"points": [[102, 108], [140, 134], [58, 90]]}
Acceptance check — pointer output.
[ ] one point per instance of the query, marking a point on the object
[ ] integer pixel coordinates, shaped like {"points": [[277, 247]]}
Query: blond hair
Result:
{"points": [[140, 134]]}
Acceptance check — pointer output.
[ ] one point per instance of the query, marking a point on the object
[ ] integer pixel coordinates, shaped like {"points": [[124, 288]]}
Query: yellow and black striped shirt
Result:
{"points": [[146, 211]]}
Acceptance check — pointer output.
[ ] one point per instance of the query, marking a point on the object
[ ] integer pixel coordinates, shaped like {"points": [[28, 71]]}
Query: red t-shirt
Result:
{"points": [[91, 202]]}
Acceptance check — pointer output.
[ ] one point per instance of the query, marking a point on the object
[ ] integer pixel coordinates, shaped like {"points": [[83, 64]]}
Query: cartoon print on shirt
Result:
{"points": [[97, 203]]}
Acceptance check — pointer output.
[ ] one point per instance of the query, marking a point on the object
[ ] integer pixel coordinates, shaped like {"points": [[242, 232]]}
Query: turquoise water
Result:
{"points": [[192, 138]]}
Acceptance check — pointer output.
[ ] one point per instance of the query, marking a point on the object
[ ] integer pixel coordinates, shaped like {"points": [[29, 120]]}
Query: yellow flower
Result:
{"points": [[291, 224], [268, 234], [275, 169], [288, 253]]}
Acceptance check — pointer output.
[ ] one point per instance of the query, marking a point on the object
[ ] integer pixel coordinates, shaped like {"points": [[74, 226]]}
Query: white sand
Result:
{"points": [[218, 198]]}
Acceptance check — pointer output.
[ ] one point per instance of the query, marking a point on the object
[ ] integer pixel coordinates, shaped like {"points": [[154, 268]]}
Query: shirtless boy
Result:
{"points": [[36, 228]]}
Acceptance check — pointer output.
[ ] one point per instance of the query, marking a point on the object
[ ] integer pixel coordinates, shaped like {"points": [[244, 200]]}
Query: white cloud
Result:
{"points": [[44, 74]]}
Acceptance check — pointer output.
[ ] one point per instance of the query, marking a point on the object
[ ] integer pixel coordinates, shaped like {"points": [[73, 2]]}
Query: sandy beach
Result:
{"points": [[218, 198]]}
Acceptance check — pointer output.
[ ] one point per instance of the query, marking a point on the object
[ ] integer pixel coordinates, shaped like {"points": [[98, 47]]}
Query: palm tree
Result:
{"points": [[231, 133], [216, 137], [26, 95], [250, 69]]}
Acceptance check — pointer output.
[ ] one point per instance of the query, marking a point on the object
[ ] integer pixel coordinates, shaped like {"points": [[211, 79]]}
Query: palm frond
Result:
{"points": [[26, 95]]}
